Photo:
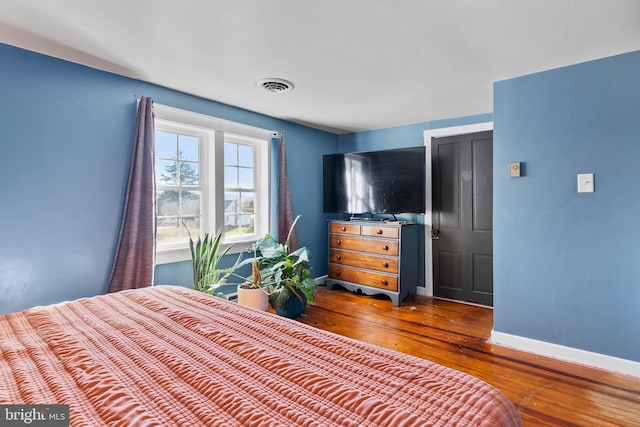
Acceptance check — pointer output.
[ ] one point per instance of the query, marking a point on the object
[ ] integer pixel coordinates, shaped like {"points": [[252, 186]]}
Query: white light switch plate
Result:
{"points": [[585, 183]]}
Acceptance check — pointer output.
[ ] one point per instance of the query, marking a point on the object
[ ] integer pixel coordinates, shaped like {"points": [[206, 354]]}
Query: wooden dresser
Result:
{"points": [[374, 258]]}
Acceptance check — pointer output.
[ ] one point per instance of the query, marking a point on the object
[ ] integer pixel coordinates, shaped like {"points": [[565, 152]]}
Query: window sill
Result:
{"points": [[168, 256]]}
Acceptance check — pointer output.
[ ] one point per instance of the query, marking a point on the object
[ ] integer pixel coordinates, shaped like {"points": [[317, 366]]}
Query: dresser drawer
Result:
{"points": [[376, 280], [344, 228], [371, 262], [379, 231], [377, 246]]}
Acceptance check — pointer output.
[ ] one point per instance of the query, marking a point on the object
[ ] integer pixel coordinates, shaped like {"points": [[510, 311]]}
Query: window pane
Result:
{"points": [[231, 202], [230, 153], [167, 203], [189, 173], [247, 224], [168, 231], [191, 203], [231, 224], [166, 172], [188, 148], [230, 177], [246, 203], [239, 225], [166, 145], [246, 178], [245, 155], [193, 225]]}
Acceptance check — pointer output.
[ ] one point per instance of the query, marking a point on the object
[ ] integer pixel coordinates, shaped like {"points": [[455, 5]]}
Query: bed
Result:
{"points": [[171, 356]]}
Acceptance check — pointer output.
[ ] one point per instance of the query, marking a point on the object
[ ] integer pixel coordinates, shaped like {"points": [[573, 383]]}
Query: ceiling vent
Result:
{"points": [[276, 85]]}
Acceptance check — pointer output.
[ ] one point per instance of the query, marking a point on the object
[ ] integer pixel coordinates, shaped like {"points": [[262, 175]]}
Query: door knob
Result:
{"points": [[435, 234]]}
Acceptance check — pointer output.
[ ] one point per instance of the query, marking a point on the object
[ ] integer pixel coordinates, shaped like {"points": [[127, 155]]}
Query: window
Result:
{"points": [[178, 190], [210, 175], [239, 188]]}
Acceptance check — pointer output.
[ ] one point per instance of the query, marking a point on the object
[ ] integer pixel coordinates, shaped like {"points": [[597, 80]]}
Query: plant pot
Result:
{"points": [[292, 307], [253, 297]]}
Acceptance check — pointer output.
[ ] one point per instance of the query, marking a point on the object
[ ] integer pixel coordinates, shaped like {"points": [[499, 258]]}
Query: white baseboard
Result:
{"points": [[320, 280], [421, 290], [568, 354]]}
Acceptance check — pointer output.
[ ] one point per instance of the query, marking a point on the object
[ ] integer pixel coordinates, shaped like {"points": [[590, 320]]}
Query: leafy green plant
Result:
{"points": [[286, 274], [206, 253], [253, 281]]}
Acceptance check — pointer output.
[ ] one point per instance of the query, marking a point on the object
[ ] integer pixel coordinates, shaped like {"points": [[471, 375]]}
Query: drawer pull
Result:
{"points": [[385, 282], [339, 257], [338, 242], [379, 231], [337, 272], [385, 247], [343, 228], [385, 264]]}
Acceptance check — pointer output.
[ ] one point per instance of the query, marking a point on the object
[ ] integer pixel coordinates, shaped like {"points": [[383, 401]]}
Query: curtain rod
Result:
{"points": [[277, 134]]}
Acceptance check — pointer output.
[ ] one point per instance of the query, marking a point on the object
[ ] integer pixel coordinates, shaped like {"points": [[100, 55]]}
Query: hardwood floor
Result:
{"points": [[547, 392]]}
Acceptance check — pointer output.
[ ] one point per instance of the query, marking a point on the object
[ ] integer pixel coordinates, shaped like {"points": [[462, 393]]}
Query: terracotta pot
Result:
{"points": [[252, 297]]}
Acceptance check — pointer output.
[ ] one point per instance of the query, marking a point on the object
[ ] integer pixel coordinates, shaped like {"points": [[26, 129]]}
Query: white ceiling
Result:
{"points": [[356, 64]]}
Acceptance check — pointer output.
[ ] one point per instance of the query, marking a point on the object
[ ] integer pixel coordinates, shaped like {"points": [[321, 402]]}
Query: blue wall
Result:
{"points": [[66, 133], [567, 267], [402, 136]]}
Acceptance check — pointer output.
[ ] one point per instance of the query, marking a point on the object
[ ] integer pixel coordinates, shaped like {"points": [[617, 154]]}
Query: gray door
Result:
{"points": [[463, 217]]}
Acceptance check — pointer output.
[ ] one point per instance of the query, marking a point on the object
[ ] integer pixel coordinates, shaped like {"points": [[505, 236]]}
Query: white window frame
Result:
{"points": [[261, 187], [203, 187], [212, 133]]}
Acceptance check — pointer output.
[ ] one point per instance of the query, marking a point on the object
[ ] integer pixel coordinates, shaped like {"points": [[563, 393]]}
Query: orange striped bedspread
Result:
{"points": [[171, 356]]}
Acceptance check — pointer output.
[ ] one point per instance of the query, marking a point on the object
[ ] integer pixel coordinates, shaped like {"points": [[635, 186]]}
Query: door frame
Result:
{"points": [[428, 219]]}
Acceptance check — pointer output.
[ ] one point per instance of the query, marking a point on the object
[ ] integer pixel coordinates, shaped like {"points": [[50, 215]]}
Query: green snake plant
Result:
{"points": [[206, 252]]}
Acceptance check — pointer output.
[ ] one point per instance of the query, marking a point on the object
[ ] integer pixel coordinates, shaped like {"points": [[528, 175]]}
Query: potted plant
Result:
{"points": [[252, 293], [205, 254], [286, 274]]}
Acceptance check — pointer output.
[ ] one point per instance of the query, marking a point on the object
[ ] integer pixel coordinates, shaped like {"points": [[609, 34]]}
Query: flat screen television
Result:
{"points": [[375, 182]]}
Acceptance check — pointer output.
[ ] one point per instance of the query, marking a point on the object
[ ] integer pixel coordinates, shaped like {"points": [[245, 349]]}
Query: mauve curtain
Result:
{"points": [[135, 254], [285, 208]]}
